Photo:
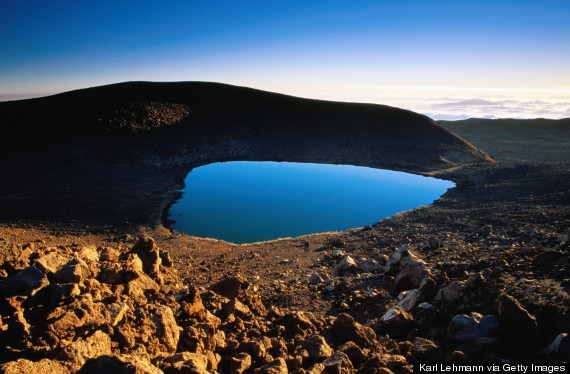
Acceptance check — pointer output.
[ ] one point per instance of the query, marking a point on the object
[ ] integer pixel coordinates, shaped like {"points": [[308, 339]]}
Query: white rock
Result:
{"points": [[408, 299], [343, 266]]}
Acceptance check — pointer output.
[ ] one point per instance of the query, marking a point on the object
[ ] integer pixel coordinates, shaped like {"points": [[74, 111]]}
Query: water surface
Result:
{"points": [[244, 202]]}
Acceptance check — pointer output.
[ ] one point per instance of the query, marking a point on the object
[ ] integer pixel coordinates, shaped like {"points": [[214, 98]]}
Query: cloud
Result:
{"points": [[466, 103], [483, 108]]}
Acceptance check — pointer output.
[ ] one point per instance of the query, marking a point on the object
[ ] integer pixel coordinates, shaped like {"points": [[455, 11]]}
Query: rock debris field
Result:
{"points": [[93, 280]]}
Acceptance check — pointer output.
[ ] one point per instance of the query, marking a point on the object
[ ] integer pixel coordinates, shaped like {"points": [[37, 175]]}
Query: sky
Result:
{"points": [[447, 59]]}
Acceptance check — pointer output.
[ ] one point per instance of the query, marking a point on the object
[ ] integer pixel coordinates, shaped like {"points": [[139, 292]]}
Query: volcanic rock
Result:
{"points": [[338, 363], [24, 282], [463, 328], [79, 351], [277, 366], [44, 366], [117, 364], [515, 320], [317, 348], [346, 329], [240, 363], [231, 287]]}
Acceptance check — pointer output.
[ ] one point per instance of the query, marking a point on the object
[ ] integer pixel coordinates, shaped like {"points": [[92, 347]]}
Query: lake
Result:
{"points": [[244, 202]]}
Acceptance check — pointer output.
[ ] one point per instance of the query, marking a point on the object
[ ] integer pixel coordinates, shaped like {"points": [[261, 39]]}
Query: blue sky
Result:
{"points": [[374, 51]]}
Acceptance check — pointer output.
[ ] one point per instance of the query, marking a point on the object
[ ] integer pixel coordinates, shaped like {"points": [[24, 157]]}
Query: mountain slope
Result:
{"points": [[117, 152]]}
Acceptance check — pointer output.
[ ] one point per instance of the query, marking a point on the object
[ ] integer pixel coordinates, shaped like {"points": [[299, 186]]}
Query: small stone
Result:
{"points": [[316, 278]]}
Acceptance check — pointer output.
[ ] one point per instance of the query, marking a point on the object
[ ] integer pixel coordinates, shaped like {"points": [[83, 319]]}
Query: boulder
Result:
{"points": [[515, 320], [559, 349], [346, 329], [317, 278], [54, 293], [72, 272], [164, 329], [190, 301], [407, 300], [370, 265], [79, 351], [408, 266], [354, 353], [345, 265], [239, 363], [277, 366], [395, 322], [118, 364], [256, 349], [465, 329], [317, 348], [146, 249], [24, 282], [236, 308], [231, 287], [451, 293], [88, 254], [109, 255], [51, 262], [116, 312], [338, 363], [187, 362], [393, 262], [424, 350]]}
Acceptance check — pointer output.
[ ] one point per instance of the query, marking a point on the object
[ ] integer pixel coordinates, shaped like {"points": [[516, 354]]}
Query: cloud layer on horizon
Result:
{"points": [[447, 109]]}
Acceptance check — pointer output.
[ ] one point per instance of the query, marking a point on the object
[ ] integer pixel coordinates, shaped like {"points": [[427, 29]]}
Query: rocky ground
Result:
{"points": [[89, 282], [481, 275]]}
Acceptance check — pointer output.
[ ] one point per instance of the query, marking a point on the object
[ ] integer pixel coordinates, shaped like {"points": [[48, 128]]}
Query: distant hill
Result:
{"points": [[533, 140], [135, 119], [117, 154]]}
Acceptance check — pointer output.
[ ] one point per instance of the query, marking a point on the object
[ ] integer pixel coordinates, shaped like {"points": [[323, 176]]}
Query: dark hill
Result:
{"points": [[138, 140], [397, 137]]}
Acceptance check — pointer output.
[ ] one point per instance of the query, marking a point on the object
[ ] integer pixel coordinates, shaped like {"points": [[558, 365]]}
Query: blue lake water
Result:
{"points": [[244, 202]]}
